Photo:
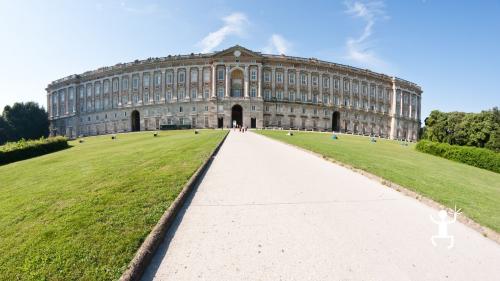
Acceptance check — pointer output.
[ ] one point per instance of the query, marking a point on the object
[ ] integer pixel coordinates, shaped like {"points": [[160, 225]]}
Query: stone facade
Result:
{"points": [[235, 85]]}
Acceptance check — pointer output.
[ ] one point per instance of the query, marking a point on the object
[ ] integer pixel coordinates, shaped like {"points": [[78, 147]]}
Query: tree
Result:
{"points": [[4, 130], [472, 129], [25, 120]]}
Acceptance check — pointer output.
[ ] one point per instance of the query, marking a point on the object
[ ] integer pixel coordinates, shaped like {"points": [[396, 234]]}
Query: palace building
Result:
{"points": [[234, 86]]}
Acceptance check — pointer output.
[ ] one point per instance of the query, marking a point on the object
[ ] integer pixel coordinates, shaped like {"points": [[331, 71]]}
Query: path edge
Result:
{"points": [[146, 251], [483, 230]]}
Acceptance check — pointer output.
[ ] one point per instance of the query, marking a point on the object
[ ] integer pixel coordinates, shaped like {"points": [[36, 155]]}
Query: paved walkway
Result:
{"points": [[269, 211]]}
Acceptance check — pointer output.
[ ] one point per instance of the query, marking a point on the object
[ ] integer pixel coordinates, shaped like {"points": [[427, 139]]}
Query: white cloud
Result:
{"points": [[234, 24], [277, 44], [359, 48]]}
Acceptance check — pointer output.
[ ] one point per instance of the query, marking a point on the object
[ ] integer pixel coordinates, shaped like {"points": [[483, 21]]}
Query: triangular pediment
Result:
{"points": [[231, 52]]}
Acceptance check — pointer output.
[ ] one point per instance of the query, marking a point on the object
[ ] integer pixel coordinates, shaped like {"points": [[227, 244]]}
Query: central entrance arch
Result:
{"points": [[336, 121], [237, 115], [136, 123]]}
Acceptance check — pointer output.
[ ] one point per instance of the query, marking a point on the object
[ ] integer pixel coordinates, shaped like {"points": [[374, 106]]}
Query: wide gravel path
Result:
{"points": [[268, 211]]}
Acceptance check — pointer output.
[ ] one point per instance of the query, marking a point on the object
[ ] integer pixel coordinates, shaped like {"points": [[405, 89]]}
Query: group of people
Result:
{"points": [[240, 128]]}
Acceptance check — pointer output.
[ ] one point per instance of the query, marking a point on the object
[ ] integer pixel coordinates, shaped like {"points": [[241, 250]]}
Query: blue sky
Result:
{"points": [[450, 48]]}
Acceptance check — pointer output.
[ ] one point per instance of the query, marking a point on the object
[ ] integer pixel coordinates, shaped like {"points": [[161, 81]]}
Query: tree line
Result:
{"points": [[460, 128], [23, 121]]}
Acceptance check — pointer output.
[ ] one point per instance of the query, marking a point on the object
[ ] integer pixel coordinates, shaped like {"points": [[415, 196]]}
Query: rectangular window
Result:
{"points": [[181, 95], [326, 82], [115, 85], [181, 77], [169, 78], [279, 95], [169, 95], [279, 77], [194, 93], [325, 99], [267, 76], [206, 93], [135, 83], [253, 74], [253, 92], [158, 79], [304, 97], [253, 107], [315, 81], [125, 84], [145, 80], [157, 96], [220, 74], [220, 92], [194, 75], [206, 75], [267, 94], [291, 78], [291, 96], [303, 79], [106, 86]]}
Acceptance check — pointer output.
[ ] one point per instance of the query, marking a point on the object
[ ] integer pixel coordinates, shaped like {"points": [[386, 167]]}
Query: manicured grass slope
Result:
{"points": [[475, 190], [82, 213]]}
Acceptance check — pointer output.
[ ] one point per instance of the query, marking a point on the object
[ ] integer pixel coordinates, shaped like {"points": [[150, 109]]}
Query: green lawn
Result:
{"points": [[475, 190], [81, 213]]}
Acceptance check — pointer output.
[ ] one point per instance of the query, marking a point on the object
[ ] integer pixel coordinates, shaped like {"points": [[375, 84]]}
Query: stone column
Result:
{"points": [[227, 80], [393, 110], [174, 85], [246, 80], [187, 81], [273, 82], [309, 86], [259, 81], [285, 82], [213, 81]]}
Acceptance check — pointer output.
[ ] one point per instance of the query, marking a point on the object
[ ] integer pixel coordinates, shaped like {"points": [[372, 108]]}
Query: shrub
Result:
{"points": [[23, 149], [474, 156]]}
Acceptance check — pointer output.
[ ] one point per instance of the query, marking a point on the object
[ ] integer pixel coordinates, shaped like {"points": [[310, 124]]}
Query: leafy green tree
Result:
{"points": [[25, 121]]}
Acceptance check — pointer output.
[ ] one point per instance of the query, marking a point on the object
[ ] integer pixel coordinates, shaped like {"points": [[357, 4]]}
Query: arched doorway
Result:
{"points": [[136, 123], [237, 115], [237, 83], [336, 121]]}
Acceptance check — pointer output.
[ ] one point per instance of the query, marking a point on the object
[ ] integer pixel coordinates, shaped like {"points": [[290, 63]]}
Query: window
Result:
{"points": [[206, 75], [325, 99], [180, 109], [267, 76], [325, 112], [169, 95], [158, 79], [220, 92], [135, 83], [145, 79], [169, 78], [194, 93], [253, 107], [291, 109], [291, 78], [97, 89], [326, 82], [181, 121], [253, 92], [135, 99], [220, 74], [315, 81], [206, 93], [125, 83], [253, 74], [193, 109], [181, 95], [346, 85], [304, 97], [106, 86], [279, 77], [315, 98], [266, 108], [355, 87], [115, 85], [291, 95], [206, 107], [303, 110], [157, 96], [267, 94], [181, 77], [146, 97], [279, 95], [303, 79], [194, 75], [336, 83]]}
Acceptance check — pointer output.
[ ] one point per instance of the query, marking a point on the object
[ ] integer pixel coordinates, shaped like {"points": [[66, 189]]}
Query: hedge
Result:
{"points": [[23, 149], [474, 156]]}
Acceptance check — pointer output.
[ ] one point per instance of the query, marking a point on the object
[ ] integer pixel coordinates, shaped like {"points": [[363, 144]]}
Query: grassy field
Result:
{"points": [[475, 190], [81, 213]]}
